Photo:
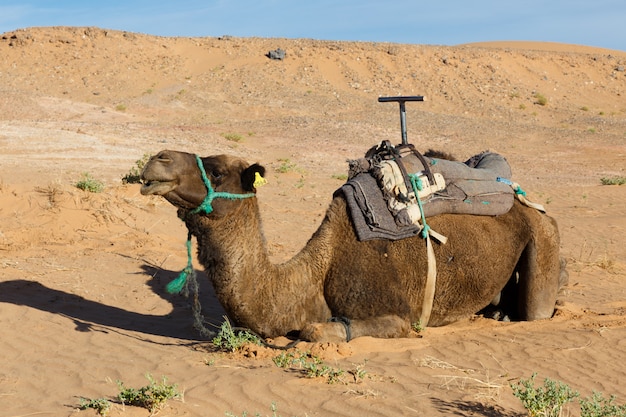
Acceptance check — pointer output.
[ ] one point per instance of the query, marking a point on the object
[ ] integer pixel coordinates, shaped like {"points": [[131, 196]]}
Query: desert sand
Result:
{"points": [[82, 275]]}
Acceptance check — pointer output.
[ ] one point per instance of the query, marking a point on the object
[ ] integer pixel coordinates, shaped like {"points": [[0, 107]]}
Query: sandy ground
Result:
{"points": [[82, 275]]}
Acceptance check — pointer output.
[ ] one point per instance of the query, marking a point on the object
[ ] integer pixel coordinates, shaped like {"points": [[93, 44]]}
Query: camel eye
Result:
{"points": [[216, 174], [162, 157]]}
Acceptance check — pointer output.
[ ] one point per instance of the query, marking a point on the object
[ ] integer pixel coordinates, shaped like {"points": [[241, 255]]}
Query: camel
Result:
{"points": [[337, 287]]}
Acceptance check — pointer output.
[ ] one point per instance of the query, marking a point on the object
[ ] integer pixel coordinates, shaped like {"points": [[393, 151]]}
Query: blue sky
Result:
{"points": [[599, 23]]}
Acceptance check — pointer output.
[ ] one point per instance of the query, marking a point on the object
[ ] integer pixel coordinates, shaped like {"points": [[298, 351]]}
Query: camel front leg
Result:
{"points": [[341, 330]]}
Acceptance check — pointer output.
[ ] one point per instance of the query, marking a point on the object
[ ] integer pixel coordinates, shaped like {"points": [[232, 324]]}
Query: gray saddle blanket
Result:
{"points": [[471, 188]]}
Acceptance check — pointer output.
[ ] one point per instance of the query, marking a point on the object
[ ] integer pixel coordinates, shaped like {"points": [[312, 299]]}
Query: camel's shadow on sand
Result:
{"points": [[87, 314]]}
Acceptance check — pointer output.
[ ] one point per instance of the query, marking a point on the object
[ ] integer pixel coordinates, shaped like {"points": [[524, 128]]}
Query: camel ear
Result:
{"points": [[250, 177]]}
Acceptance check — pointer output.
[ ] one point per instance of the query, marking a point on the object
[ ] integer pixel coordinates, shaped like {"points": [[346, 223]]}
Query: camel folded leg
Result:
{"points": [[541, 273], [342, 330]]}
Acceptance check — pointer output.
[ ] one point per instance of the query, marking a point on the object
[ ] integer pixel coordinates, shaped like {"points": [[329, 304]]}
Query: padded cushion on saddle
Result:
{"points": [[472, 187]]}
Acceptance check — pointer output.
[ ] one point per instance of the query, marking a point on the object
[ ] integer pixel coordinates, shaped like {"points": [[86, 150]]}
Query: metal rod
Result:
{"points": [[403, 123], [401, 100]]}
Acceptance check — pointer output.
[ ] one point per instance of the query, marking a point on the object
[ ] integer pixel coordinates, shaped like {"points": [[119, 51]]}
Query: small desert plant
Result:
{"points": [[233, 137], [134, 175], [543, 401], [101, 405], [540, 99], [120, 107], [289, 359], [90, 184], [273, 408], [341, 177], [231, 340], [613, 180], [417, 326], [314, 367], [286, 166], [152, 396], [598, 406], [358, 372]]}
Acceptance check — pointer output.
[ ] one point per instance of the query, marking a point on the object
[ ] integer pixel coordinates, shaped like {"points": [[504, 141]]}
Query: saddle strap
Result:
{"points": [[425, 166], [427, 171], [431, 281]]}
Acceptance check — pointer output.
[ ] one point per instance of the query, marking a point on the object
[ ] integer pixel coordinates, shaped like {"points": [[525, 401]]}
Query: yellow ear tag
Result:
{"points": [[258, 180]]}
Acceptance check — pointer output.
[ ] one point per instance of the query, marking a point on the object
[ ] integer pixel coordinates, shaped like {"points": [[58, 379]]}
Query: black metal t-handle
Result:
{"points": [[401, 100]]}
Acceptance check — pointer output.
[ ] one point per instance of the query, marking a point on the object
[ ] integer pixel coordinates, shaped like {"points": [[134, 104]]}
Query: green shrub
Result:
{"points": [[598, 406], [290, 359], [316, 369], [230, 340], [540, 99], [543, 401], [101, 405], [134, 175], [286, 166], [313, 367], [90, 184], [613, 180], [417, 327], [233, 137], [151, 397]]}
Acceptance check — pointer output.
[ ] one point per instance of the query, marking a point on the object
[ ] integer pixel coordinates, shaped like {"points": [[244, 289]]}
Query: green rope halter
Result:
{"points": [[205, 207], [176, 286]]}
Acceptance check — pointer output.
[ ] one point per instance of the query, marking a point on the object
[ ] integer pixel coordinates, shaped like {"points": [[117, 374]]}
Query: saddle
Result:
{"points": [[393, 189]]}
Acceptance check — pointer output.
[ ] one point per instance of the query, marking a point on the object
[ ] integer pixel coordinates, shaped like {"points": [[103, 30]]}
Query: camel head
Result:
{"points": [[178, 178]]}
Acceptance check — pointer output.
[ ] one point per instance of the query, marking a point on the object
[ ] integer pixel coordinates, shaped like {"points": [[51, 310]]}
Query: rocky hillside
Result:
{"points": [[210, 79]]}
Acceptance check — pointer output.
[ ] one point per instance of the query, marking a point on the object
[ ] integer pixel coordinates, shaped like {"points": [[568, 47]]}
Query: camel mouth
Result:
{"points": [[155, 187]]}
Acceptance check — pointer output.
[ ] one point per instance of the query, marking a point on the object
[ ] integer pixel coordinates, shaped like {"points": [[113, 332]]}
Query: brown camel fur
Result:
{"points": [[378, 285]]}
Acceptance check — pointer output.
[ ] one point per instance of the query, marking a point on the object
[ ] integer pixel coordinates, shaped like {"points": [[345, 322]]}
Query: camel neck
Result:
{"points": [[254, 292]]}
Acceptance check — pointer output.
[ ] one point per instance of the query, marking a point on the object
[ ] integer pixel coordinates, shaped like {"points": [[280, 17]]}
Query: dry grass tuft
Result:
{"points": [[53, 192], [486, 389], [587, 258]]}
